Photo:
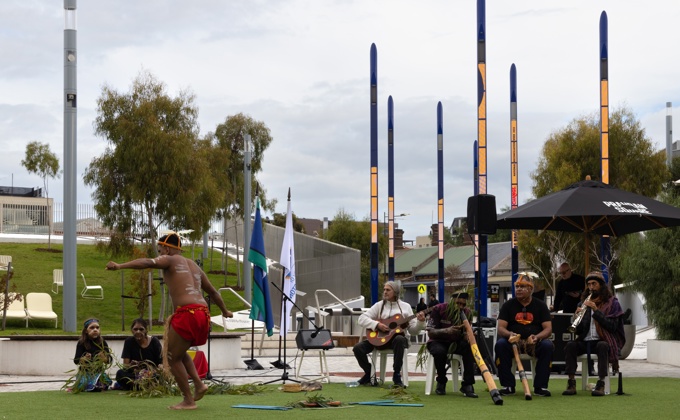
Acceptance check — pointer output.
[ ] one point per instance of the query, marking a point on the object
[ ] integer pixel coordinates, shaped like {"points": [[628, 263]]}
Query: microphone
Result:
{"points": [[316, 332]]}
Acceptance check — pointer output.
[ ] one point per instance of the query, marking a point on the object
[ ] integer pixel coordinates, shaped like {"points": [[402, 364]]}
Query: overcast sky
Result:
{"points": [[302, 67]]}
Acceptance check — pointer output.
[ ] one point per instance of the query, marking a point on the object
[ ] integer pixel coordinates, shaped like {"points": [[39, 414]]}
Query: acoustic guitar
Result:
{"points": [[396, 324]]}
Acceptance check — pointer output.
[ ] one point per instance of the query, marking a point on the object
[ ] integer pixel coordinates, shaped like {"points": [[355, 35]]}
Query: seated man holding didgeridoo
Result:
{"points": [[529, 318], [446, 335]]}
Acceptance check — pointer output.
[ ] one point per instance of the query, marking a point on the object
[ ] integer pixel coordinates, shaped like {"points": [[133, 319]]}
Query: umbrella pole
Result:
{"points": [[587, 270]]}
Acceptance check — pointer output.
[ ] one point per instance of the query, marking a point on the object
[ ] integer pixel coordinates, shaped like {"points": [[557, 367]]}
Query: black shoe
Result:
{"points": [[542, 392], [396, 378], [469, 391], [441, 388], [599, 389], [508, 390], [365, 380]]}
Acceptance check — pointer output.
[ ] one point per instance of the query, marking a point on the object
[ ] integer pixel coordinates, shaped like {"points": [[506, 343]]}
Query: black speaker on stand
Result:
{"points": [[481, 220], [481, 214]]}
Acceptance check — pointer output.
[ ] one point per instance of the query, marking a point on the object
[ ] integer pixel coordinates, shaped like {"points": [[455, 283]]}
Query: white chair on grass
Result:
{"points": [[91, 292], [456, 361], [39, 307], [584, 373], [57, 280], [383, 364], [17, 308]]}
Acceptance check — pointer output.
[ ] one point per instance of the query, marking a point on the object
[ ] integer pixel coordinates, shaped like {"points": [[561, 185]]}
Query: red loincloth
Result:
{"points": [[192, 323]]}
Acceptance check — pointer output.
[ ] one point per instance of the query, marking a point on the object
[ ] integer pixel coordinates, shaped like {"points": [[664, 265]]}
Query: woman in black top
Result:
{"points": [[93, 357], [141, 354]]}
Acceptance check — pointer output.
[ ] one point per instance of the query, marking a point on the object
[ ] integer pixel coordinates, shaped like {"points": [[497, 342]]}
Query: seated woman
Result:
{"points": [[93, 357], [141, 355]]}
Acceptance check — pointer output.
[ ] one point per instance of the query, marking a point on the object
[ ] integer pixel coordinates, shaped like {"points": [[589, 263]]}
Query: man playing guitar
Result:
{"points": [[389, 324]]}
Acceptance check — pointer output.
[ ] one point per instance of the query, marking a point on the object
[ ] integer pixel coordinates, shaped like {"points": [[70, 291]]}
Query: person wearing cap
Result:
{"points": [[190, 324], [529, 318], [600, 331], [376, 319], [93, 357], [569, 290], [445, 336]]}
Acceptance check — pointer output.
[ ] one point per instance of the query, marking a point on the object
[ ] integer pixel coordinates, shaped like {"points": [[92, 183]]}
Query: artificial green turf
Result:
{"points": [[33, 273], [655, 398]]}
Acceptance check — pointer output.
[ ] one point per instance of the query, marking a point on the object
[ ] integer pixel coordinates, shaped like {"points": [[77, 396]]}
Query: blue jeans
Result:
{"points": [[504, 357]]}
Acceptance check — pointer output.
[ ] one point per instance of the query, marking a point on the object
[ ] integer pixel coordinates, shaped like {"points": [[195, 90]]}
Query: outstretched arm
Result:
{"points": [[161, 262]]}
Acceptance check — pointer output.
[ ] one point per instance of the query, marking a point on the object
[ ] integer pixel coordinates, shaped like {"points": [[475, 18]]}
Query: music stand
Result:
{"points": [[208, 375]]}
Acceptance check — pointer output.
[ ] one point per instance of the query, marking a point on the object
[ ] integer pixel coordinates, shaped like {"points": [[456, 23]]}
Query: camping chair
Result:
{"points": [[91, 292], [16, 309], [39, 306], [57, 280]]}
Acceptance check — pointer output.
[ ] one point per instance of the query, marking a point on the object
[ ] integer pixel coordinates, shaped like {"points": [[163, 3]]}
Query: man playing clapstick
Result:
{"points": [[446, 336], [529, 318], [600, 331]]}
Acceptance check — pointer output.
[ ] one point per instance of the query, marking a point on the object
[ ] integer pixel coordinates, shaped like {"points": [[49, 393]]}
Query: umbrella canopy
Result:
{"points": [[592, 207]]}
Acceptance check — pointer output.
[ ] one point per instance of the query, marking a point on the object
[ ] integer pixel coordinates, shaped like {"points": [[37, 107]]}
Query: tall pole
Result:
{"points": [[247, 277], [440, 200], [604, 133], [514, 170], [669, 134], [481, 145], [374, 174], [390, 187], [70, 170]]}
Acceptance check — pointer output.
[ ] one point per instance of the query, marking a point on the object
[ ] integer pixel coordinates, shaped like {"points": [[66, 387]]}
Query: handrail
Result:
{"points": [[316, 296], [237, 295]]}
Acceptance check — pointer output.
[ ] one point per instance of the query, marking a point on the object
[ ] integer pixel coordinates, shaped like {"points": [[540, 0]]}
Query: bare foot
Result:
{"points": [[183, 406], [199, 392]]}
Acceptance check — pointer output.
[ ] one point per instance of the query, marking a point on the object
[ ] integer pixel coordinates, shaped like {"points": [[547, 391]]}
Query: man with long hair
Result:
{"points": [[600, 331], [445, 336], [190, 324]]}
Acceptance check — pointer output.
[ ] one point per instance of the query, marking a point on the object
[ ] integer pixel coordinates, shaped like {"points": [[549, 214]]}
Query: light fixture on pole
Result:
{"points": [[388, 231]]}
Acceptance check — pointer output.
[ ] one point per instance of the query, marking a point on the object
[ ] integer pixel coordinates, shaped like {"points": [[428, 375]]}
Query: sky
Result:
{"points": [[302, 67]]}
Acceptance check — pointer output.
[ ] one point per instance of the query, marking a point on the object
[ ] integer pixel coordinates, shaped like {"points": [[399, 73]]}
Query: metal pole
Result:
{"points": [[247, 280], [70, 171]]}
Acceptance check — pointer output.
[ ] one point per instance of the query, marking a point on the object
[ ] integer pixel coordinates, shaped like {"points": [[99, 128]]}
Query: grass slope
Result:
{"points": [[33, 273]]}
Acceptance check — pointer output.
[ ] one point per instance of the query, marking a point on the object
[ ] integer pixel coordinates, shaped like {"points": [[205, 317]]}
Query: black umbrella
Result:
{"points": [[592, 207]]}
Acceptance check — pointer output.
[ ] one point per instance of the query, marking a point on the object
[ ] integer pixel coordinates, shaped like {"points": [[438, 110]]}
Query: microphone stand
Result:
{"points": [[284, 375]]}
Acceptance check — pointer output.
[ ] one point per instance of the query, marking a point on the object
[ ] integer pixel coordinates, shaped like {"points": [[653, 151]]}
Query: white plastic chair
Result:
{"points": [[57, 280], [91, 292], [456, 365], [525, 358], [16, 309], [383, 364], [585, 371], [39, 306]]}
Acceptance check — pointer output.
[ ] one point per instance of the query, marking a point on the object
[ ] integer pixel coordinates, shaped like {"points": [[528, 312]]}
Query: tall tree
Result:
{"points": [[571, 153], [41, 161], [227, 164], [154, 166], [650, 264]]}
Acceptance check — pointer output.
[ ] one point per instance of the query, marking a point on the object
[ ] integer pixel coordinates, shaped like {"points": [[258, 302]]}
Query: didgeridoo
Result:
{"points": [[493, 390], [522, 374]]}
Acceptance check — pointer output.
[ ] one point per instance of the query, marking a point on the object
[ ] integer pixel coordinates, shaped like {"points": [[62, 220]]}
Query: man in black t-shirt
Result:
{"points": [[529, 318]]}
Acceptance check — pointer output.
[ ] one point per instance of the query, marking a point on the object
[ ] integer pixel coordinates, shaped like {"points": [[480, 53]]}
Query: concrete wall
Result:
{"points": [[53, 355], [663, 351]]}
